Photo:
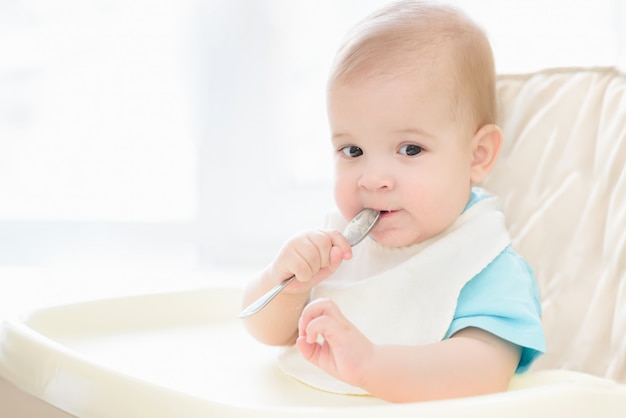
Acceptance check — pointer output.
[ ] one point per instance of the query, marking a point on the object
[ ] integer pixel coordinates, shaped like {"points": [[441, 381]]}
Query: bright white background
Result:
{"points": [[190, 134]]}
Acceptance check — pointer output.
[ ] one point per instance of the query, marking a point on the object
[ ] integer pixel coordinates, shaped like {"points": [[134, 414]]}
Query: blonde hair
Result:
{"points": [[415, 35]]}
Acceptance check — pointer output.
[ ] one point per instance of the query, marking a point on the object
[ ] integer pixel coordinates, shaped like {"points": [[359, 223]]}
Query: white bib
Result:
{"points": [[412, 302]]}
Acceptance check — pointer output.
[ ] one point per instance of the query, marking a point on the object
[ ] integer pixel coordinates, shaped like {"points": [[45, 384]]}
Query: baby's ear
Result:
{"points": [[486, 145]]}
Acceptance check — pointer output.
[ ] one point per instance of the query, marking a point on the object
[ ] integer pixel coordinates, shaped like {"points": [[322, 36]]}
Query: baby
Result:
{"points": [[436, 304]]}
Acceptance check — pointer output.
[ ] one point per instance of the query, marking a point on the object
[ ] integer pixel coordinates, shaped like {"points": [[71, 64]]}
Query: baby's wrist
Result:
{"points": [[364, 372]]}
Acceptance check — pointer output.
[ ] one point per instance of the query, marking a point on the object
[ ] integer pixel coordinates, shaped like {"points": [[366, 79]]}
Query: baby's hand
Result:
{"points": [[311, 257], [331, 342]]}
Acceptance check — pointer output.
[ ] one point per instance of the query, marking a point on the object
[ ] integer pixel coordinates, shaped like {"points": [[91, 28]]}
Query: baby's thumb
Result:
{"points": [[336, 257]]}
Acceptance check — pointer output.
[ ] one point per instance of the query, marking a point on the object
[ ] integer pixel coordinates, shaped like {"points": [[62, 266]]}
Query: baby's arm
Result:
{"points": [[472, 362], [311, 257]]}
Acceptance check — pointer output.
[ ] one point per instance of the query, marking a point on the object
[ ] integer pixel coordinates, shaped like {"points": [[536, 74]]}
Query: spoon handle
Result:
{"points": [[260, 303], [355, 231]]}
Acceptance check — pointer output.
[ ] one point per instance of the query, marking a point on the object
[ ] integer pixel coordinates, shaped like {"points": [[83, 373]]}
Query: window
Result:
{"points": [[95, 120]]}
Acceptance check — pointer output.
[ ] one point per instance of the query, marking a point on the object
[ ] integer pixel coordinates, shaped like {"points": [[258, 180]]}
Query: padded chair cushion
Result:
{"points": [[562, 179]]}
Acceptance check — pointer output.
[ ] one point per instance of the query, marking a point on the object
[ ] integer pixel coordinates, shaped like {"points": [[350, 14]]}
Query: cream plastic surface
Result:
{"points": [[186, 354]]}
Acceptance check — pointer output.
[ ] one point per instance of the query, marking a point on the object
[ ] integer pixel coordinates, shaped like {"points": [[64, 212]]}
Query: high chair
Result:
{"points": [[562, 179]]}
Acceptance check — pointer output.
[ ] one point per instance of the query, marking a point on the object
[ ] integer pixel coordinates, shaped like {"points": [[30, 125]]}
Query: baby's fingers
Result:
{"points": [[339, 241], [320, 320], [320, 250]]}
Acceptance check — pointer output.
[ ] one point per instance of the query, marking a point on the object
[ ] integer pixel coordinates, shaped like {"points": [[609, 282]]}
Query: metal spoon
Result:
{"points": [[358, 228]]}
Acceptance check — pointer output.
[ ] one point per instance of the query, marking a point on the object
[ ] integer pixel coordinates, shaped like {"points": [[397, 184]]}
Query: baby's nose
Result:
{"points": [[376, 178]]}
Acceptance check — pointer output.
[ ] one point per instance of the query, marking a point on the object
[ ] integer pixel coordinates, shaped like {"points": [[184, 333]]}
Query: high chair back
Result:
{"points": [[562, 179]]}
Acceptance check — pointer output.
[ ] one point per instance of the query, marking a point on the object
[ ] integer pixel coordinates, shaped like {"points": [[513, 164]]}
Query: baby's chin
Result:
{"points": [[394, 239]]}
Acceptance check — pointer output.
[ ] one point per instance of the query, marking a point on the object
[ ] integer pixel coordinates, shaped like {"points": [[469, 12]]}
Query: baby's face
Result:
{"points": [[398, 150]]}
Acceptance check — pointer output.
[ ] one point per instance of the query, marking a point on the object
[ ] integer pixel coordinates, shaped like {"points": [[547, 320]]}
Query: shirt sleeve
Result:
{"points": [[504, 300]]}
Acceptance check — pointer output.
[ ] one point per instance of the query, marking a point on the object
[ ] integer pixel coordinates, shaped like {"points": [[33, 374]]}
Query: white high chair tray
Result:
{"points": [[187, 355]]}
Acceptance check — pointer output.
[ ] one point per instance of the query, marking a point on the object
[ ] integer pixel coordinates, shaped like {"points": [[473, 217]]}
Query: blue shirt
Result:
{"points": [[503, 299]]}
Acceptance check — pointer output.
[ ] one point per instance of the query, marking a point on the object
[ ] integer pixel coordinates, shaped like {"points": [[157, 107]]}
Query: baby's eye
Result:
{"points": [[410, 150], [351, 151]]}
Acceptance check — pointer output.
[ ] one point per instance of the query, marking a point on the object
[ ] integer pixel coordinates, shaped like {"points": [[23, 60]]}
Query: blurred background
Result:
{"points": [[191, 134]]}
